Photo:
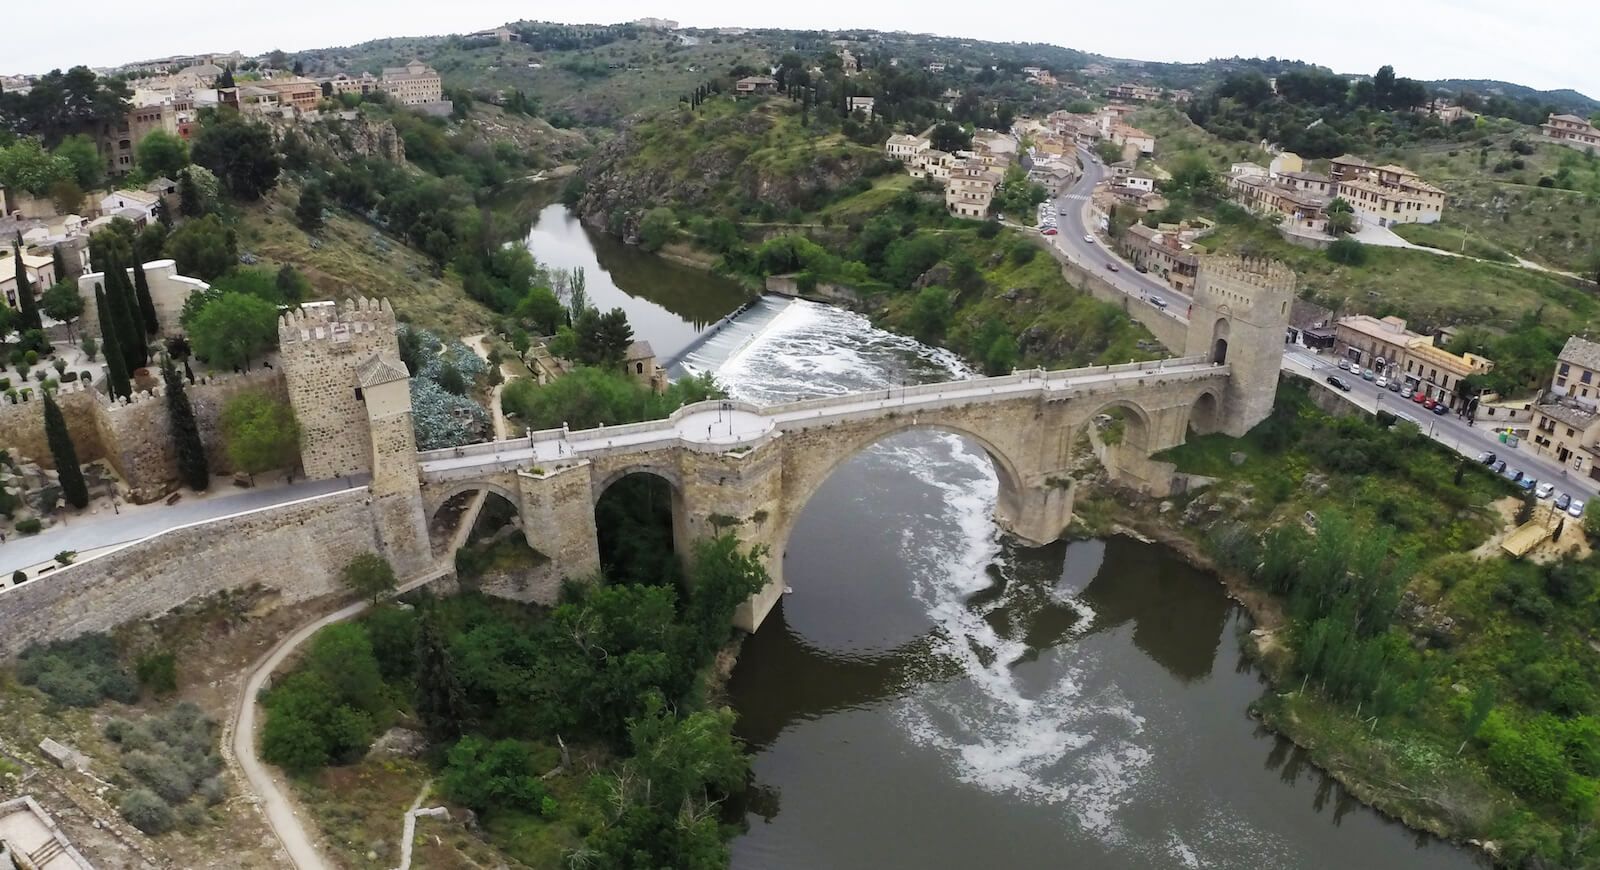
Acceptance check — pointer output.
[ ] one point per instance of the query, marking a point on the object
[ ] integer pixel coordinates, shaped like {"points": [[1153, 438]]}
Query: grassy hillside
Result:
{"points": [[349, 258]]}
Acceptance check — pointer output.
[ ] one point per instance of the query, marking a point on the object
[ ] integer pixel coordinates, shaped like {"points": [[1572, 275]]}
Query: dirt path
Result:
{"points": [[480, 346], [265, 783]]}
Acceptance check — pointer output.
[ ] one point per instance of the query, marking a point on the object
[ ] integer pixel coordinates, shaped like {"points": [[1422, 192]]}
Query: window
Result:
{"points": [[1588, 376], [1565, 368]]}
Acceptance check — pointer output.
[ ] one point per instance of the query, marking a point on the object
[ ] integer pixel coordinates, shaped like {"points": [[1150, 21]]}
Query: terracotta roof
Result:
{"points": [[377, 371], [1352, 160]]}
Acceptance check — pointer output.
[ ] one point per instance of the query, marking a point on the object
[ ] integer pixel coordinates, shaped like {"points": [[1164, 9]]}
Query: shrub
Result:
{"points": [[164, 776], [29, 526], [145, 810], [78, 673], [158, 672], [19, 577], [31, 358], [1348, 252]]}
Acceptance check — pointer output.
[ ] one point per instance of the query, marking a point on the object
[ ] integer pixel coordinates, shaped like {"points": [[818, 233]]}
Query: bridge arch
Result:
{"points": [[1205, 414], [798, 493], [641, 525], [1219, 340], [456, 509]]}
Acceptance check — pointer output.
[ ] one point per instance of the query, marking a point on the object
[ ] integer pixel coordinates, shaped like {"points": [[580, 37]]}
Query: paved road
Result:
{"points": [[83, 534], [1450, 430]]}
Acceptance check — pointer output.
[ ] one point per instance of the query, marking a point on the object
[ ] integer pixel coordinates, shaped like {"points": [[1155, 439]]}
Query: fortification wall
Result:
{"points": [[297, 549], [134, 438], [168, 291], [320, 347], [1166, 326]]}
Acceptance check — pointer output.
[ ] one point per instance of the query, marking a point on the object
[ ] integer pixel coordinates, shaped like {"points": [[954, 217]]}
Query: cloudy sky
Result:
{"points": [[1427, 39]]}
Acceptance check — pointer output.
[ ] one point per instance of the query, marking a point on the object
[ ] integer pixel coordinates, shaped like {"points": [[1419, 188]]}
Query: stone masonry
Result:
{"points": [[320, 347]]}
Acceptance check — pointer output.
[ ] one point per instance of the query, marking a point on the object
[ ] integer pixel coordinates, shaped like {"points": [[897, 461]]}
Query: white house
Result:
{"points": [[140, 200], [904, 147], [1140, 181], [861, 104]]}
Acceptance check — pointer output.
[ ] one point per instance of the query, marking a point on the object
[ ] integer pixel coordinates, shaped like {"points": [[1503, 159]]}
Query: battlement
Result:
{"points": [[1241, 274], [335, 323]]}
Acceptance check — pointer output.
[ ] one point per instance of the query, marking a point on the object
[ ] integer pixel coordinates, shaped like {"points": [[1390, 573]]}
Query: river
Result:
{"points": [[932, 694]]}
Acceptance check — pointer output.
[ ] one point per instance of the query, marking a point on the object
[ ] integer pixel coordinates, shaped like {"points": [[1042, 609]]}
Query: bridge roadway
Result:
{"points": [[720, 426]]}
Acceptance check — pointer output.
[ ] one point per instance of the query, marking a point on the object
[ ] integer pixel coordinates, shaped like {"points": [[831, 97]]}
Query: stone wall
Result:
{"points": [[297, 549], [1166, 326], [134, 438], [320, 347], [168, 291]]}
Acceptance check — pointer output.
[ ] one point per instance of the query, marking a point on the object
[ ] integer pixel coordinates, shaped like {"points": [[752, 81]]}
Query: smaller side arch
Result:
{"points": [[1205, 414], [1219, 340]]}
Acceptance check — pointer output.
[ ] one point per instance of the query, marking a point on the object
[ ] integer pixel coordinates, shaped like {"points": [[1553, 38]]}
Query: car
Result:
{"points": [[1528, 484], [1088, 237], [1575, 509], [1427, 402], [1338, 383], [1344, 365], [1512, 474], [1420, 398], [1113, 267], [1499, 467], [1394, 385], [1563, 502], [1369, 375], [1381, 383], [1048, 231], [1158, 302], [1062, 211], [1440, 409], [1544, 491], [1486, 458]]}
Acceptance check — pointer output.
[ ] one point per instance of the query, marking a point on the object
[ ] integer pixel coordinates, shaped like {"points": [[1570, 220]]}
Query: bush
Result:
{"points": [[29, 526], [1348, 252], [145, 810], [498, 775], [158, 672], [78, 673]]}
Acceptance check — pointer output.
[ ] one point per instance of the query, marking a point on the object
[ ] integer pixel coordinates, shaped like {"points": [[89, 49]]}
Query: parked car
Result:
{"points": [[1088, 237], [1427, 403], [1512, 474], [1381, 383], [1575, 509], [1499, 467], [1394, 385], [1528, 484], [1420, 398], [1338, 383], [1440, 409], [1344, 364], [1563, 502], [1486, 458], [1544, 491], [1049, 231], [1113, 267], [1369, 375]]}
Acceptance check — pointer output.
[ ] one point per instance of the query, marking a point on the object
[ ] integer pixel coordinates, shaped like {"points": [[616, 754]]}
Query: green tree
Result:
{"points": [[240, 152], [147, 306], [541, 311], [368, 575], [88, 168], [189, 202], [603, 339], [192, 464], [27, 305], [234, 329], [26, 166], [293, 288], [116, 363], [203, 248], [487, 776], [440, 702], [63, 304], [1347, 251], [160, 153], [68, 472], [125, 319], [260, 432], [930, 314], [308, 211], [656, 229]]}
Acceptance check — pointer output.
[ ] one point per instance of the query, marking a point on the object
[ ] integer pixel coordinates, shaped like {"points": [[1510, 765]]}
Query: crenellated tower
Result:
{"points": [[1240, 317], [352, 395]]}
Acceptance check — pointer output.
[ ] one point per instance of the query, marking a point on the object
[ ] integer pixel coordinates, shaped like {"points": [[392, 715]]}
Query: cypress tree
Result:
{"points": [[188, 196], [192, 464], [440, 702], [130, 338], [116, 366], [147, 306], [73, 489], [26, 304], [60, 263]]}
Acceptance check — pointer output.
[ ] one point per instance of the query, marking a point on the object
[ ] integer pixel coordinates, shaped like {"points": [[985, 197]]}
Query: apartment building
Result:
{"points": [[1134, 92], [905, 147], [1260, 192], [970, 190], [1386, 346], [1161, 253], [415, 84], [1565, 424], [343, 83], [1387, 195]]}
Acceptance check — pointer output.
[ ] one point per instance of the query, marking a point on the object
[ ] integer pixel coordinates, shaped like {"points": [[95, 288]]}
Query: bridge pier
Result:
{"points": [[1044, 511]]}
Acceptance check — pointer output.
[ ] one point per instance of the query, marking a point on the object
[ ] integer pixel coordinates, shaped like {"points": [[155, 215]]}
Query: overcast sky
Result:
{"points": [[1542, 43]]}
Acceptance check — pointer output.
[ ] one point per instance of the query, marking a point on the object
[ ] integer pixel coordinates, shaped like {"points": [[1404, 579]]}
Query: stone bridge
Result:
{"points": [[751, 470]]}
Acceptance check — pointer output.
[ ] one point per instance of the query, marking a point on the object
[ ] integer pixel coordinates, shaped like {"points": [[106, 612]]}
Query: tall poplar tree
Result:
{"points": [[192, 465], [73, 488], [110, 348], [26, 304], [147, 306]]}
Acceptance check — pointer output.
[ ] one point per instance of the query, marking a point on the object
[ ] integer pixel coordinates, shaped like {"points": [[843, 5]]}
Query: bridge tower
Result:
{"points": [[1240, 317], [352, 397]]}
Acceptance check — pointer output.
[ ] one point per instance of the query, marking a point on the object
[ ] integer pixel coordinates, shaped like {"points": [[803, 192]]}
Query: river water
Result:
{"points": [[933, 695]]}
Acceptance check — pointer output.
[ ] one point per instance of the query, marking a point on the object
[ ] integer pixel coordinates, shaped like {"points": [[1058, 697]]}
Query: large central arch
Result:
{"points": [[799, 492]]}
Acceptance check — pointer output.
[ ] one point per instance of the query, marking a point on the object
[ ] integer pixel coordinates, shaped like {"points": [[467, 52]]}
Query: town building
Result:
{"points": [[120, 202], [970, 189], [1134, 92], [295, 92], [1133, 138], [1571, 130], [656, 23], [1140, 181], [936, 68], [1565, 424], [415, 84], [344, 83], [755, 85], [1261, 193], [1387, 347], [1386, 195], [860, 104], [40, 271], [117, 140], [1161, 253]]}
